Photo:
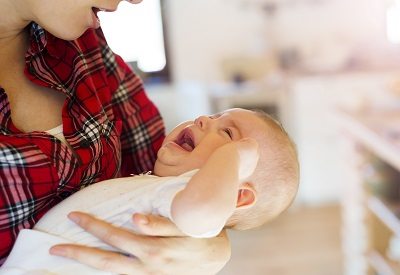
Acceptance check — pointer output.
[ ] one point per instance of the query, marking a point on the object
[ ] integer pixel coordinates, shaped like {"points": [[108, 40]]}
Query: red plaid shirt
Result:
{"points": [[112, 128]]}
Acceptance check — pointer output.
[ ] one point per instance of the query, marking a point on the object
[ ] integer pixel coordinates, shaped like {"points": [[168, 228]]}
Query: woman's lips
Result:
{"points": [[95, 19]]}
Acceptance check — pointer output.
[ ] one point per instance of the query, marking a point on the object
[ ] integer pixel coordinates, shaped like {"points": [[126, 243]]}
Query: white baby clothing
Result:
{"points": [[113, 201]]}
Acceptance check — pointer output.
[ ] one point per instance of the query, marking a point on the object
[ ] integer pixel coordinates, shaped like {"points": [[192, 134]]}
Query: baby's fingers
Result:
{"points": [[152, 225], [249, 153], [248, 144]]}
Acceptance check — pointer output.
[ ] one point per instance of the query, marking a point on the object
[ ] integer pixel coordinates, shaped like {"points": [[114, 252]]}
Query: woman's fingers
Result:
{"points": [[156, 226], [154, 255], [100, 259], [120, 238]]}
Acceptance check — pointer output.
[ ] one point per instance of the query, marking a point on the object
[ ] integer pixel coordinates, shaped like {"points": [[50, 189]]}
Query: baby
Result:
{"points": [[235, 169]]}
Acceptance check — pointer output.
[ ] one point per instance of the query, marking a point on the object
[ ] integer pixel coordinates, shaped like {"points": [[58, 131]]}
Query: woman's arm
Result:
{"points": [[28, 180], [153, 253], [210, 197]]}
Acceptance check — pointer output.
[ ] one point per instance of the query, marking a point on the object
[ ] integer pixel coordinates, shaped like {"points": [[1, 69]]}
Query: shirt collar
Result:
{"points": [[41, 40], [38, 39]]}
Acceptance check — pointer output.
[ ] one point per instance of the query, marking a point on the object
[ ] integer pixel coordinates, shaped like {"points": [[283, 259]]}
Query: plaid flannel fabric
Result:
{"points": [[111, 127]]}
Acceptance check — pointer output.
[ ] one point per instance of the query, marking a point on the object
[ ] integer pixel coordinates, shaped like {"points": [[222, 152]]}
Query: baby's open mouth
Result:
{"points": [[185, 140]]}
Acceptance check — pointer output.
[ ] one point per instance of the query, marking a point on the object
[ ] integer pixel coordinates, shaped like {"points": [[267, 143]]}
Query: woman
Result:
{"points": [[71, 114]]}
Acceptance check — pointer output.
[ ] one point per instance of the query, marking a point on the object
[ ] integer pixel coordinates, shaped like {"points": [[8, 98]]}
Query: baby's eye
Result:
{"points": [[228, 132]]}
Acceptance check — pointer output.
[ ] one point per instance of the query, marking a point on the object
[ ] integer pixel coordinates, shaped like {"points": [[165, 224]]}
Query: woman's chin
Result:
{"points": [[70, 34]]}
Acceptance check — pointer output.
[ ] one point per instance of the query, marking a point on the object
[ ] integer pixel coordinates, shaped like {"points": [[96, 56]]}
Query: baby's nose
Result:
{"points": [[202, 122]]}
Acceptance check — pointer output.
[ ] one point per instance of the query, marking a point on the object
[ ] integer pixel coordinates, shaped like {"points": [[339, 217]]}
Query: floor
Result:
{"points": [[303, 241]]}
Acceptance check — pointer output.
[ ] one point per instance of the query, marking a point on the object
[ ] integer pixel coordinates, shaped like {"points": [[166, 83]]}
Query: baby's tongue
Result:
{"points": [[187, 147]]}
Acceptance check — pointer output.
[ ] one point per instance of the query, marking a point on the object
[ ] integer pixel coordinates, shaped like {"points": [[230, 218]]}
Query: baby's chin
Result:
{"points": [[163, 170], [156, 169]]}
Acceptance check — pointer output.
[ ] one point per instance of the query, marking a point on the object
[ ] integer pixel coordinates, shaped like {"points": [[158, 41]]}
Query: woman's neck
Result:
{"points": [[13, 19], [13, 33], [13, 47]]}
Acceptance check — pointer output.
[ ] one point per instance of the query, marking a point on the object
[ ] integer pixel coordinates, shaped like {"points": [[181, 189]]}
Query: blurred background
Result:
{"points": [[329, 70]]}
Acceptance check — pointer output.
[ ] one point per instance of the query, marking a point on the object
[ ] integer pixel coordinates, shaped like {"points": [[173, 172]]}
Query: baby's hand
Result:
{"points": [[249, 153]]}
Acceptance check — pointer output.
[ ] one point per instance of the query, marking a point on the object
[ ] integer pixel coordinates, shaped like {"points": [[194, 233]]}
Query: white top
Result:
{"points": [[113, 201], [58, 133]]}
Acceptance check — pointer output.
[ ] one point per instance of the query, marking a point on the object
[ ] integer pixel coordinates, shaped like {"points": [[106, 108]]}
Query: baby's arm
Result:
{"points": [[210, 197]]}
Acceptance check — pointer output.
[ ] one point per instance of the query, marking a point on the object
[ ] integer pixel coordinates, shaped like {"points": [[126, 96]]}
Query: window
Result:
{"points": [[393, 23], [136, 33]]}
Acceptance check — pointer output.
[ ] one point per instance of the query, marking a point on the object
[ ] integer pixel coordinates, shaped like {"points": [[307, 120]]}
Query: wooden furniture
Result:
{"points": [[248, 95], [370, 221]]}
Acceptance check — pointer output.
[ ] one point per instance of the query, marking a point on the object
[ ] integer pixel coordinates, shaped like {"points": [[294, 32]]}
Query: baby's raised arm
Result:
{"points": [[210, 197]]}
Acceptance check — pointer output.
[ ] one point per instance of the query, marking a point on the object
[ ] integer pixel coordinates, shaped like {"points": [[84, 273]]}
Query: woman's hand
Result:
{"points": [[163, 250]]}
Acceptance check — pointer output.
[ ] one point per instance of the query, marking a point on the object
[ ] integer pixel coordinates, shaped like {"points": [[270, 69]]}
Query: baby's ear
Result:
{"points": [[246, 196]]}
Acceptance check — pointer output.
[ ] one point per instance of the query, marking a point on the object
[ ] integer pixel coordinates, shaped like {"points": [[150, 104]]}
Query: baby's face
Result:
{"points": [[191, 143]]}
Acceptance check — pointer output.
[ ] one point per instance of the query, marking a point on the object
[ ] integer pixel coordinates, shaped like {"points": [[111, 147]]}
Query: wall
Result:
{"points": [[179, 102], [326, 33], [330, 32], [203, 32]]}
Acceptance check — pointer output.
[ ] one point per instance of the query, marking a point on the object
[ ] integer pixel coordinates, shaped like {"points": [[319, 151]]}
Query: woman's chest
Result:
{"points": [[32, 107], [91, 151]]}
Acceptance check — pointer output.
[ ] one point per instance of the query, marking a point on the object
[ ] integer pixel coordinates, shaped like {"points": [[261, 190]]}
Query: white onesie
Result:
{"points": [[113, 201]]}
